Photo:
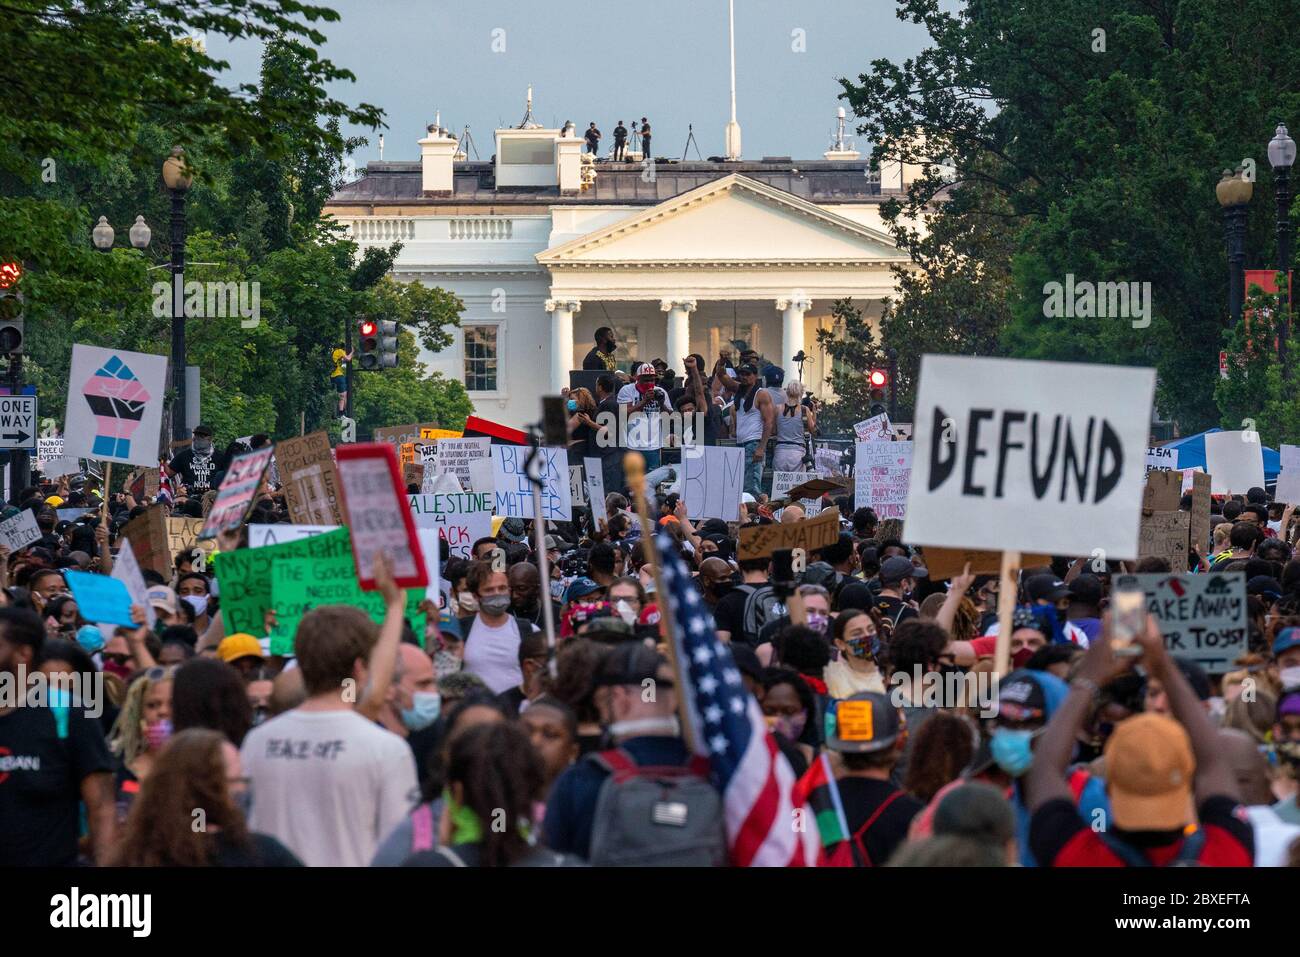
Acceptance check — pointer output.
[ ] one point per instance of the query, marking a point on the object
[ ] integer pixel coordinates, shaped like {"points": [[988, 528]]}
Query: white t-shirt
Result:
{"points": [[328, 785], [493, 654], [643, 428]]}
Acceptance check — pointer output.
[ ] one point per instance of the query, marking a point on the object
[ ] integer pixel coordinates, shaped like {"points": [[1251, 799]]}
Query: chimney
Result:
{"points": [[437, 151]]}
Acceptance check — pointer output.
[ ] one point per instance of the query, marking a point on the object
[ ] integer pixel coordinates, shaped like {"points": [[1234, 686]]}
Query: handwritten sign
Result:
{"points": [[311, 487], [810, 534], [245, 576], [1163, 492], [514, 493], [183, 536], [399, 435], [413, 474], [881, 472], [1202, 617], [712, 480], [19, 531], [260, 536], [874, 429], [147, 534], [235, 497], [376, 512], [460, 519], [944, 563], [577, 487], [782, 482], [100, 598], [827, 462], [1161, 457], [1164, 535], [454, 455]]}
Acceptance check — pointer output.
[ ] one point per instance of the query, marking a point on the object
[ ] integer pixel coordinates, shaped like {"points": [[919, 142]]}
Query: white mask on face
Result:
{"points": [[467, 603], [198, 602], [1290, 678], [625, 611]]}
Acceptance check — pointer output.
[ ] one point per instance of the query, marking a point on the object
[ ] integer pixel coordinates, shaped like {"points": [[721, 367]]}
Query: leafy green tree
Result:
{"points": [[854, 351], [408, 394], [1254, 397]]}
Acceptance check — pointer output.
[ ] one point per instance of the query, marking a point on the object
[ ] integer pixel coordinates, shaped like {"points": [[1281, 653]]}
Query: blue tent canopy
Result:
{"points": [[1191, 453]]}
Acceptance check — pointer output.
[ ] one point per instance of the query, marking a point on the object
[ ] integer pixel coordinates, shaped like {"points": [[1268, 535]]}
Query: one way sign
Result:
{"points": [[17, 421]]}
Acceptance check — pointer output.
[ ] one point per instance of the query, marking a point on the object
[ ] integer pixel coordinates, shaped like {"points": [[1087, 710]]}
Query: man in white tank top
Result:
{"points": [[755, 415]]}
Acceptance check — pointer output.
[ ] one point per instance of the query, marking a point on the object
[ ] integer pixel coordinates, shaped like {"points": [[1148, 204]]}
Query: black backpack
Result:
{"points": [[1188, 855]]}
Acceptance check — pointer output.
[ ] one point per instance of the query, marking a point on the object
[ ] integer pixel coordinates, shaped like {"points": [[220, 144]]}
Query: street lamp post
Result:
{"points": [[1234, 192], [1281, 156], [177, 179]]}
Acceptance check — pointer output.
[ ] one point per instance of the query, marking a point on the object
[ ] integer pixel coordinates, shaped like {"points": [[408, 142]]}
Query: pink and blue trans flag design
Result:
{"points": [[117, 399]]}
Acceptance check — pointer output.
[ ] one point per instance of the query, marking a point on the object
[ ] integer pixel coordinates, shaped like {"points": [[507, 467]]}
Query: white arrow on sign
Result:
{"points": [[17, 421]]}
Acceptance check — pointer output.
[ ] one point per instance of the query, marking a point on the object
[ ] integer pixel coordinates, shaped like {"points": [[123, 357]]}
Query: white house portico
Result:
{"points": [[675, 257]]}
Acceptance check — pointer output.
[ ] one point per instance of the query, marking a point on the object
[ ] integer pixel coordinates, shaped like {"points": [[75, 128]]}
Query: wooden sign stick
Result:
{"points": [[1007, 587]]}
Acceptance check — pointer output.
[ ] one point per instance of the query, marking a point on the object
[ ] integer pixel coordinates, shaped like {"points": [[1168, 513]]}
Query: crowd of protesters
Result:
{"points": [[478, 743]]}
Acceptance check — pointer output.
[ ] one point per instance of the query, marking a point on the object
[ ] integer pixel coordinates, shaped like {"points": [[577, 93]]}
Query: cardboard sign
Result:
{"points": [[244, 576], [712, 479], [1202, 617], [398, 435], [1199, 517], [1163, 492], [460, 519], [115, 405], [1161, 457], [1288, 480], [874, 429], [1235, 461], [309, 479], [376, 511], [810, 534], [882, 472], [147, 534], [596, 491], [513, 491], [19, 531], [183, 536], [944, 563], [413, 474], [782, 482], [827, 462], [100, 598], [1029, 456], [577, 487], [1164, 535], [453, 457], [260, 536], [143, 484], [298, 585], [816, 488], [235, 497]]}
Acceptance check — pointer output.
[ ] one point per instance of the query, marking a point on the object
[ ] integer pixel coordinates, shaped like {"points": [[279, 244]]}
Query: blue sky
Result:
{"points": [[604, 60]]}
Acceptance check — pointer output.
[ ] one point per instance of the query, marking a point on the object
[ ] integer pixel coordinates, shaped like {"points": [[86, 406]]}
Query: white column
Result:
{"points": [[679, 332], [792, 311], [562, 311]]}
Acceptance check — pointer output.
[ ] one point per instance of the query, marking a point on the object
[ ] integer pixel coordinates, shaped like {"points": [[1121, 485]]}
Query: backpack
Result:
{"points": [[1188, 855], [860, 856], [761, 606], [656, 816]]}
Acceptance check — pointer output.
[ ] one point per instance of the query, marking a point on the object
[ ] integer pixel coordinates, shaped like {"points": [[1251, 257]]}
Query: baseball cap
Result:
{"points": [[895, 569], [554, 544], [746, 660], [1086, 589], [1149, 770], [54, 501], [747, 498], [645, 368], [863, 723], [1264, 585], [579, 588], [513, 530], [1286, 639], [1021, 698], [630, 663], [746, 368], [239, 645], [203, 430], [162, 596], [1046, 588]]}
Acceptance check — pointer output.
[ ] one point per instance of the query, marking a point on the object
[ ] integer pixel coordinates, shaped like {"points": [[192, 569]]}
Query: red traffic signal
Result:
{"points": [[878, 378], [10, 273]]}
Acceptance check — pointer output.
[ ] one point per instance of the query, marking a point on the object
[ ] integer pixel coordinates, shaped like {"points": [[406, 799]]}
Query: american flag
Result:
{"points": [[753, 776]]}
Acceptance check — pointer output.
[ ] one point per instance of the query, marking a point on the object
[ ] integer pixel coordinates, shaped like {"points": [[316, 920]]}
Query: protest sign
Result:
{"points": [[183, 536], [244, 576], [259, 536], [810, 534], [480, 476], [19, 531], [438, 484], [413, 474], [1162, 492], [300, 584], [1202, 617], [376, 512], [817, 487], [712, 479], [127, 570], [51, 460], [881, 473], [1288, 480], [1187, 477], [1235, 461], [436, 434], [454, 455], [782, 482], [310, 482], [1199, 517], [399, 435], [431, 548], [100, 598], [596, 490], [1164, 535], [577, 487], [143, 484], [72, 514], [874, 429], [460, 519], [1029, 456], [1161, 457], [147, 534], [235, 497], [944, 563], [115, 405], [514, 493], [828, 462]]}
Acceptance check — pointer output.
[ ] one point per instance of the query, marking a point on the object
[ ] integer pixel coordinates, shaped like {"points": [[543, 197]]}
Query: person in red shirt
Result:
{"points": [[1154, 765]]}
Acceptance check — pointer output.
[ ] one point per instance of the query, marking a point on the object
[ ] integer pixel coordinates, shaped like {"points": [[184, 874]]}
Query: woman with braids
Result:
{"points": [[196, 780], [494, 776], [143, 726]]}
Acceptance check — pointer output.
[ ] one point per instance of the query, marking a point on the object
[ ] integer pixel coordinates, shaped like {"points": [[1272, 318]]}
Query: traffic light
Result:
{"points": [[878, 378], [11, 309], [378, 343]]}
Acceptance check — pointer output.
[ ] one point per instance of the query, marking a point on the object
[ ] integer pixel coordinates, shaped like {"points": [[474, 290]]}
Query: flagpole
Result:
{"points": [[634, 471]]}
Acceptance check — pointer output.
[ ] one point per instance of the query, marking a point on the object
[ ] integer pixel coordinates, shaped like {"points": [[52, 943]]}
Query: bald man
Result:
{"points": [[791, 513], [715, 580], [526, 593]]}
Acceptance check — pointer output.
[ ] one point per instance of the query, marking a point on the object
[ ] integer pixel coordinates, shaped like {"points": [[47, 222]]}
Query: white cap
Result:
{"points": [[747, 498], [645, 368]]}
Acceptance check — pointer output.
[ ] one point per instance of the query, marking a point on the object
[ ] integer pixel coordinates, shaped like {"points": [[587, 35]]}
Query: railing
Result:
{"points": [[495, 228], [382, 230]]}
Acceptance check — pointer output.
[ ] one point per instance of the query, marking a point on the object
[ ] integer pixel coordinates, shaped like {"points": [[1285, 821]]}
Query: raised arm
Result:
{"points": [[383, 657]]}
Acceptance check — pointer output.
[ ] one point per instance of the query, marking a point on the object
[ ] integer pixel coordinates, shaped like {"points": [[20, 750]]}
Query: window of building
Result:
{"points": [[628, 350], [481, 358], [526, 151]]}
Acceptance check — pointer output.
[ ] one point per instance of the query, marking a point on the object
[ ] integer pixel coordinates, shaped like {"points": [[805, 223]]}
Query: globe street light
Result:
{"points": [[1234, 192], [1281, 156], [103, 234]]}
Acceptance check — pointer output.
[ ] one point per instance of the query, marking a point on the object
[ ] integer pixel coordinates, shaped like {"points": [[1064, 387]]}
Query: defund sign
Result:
{"points": [[1031, 456]]}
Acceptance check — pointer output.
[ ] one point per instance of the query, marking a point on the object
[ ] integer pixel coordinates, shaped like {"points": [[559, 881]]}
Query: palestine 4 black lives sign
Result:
{"points": [[1041, 457]]}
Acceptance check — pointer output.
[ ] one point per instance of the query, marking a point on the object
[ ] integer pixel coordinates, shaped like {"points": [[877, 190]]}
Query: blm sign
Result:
{"points": [[1029, 456]]}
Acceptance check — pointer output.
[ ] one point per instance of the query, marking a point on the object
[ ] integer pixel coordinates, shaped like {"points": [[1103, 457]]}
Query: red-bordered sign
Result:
{"points": [[377, 513]]}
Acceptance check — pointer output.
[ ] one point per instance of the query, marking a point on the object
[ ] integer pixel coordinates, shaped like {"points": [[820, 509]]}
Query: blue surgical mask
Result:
{"points": [[424, 710], [573, 405], [90, 638], [1012, 750]]}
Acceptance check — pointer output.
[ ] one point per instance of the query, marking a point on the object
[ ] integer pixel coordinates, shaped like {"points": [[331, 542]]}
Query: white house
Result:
{"points": [[676, 257]]}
